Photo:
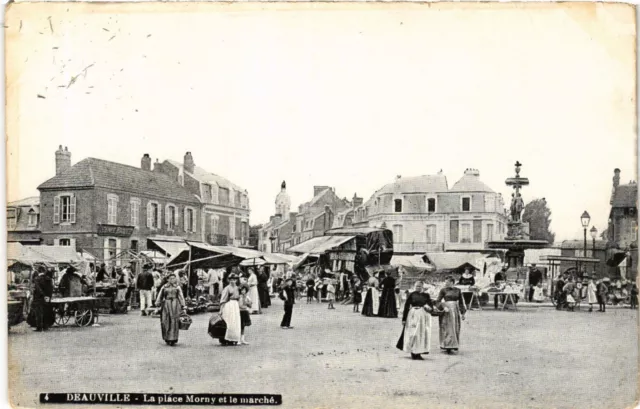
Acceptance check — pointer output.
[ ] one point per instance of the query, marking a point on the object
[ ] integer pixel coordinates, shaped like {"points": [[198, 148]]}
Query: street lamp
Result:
{"points": [[594, 234], [585, 219]]}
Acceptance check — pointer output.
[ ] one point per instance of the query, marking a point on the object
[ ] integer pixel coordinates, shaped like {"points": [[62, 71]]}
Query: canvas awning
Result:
{"points": [[454, 260], [58, 254], [168, 246], [319, 245], [412, 263], [616, 258], [17, 253], [204, 256]]}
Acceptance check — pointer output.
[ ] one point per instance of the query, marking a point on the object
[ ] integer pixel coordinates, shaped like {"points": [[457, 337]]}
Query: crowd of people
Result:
{"points": [[572, 289]]}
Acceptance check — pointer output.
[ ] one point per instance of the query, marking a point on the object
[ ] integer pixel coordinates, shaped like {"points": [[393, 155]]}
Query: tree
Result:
{"points": [[538, 215]]}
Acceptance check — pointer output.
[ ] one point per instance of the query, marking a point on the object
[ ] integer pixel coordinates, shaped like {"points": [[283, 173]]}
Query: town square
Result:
{"points": [[322, 206]]}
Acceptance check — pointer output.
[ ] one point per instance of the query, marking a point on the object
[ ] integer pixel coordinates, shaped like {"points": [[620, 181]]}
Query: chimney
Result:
{"points": [[472, 172], [145, 162], [283, 186], [357, 201], [616, 183], [319, 189], [63, 160], [189, 164], [156, 166]]}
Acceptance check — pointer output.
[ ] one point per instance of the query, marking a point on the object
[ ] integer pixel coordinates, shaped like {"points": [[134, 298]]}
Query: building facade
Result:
{"points": [[622, 231], [23, 221], [426, 215], [104, 207], [225, 205], [286, 229]]}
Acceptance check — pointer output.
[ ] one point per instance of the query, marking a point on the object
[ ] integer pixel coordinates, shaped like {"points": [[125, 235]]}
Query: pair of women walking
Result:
{"points": [[416, 320], [235, 304]]}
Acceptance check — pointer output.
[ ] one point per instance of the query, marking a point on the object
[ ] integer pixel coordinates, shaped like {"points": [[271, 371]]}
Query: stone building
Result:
{"points": [[225, 205], [23, 221], [622, 230], [426, 215]]}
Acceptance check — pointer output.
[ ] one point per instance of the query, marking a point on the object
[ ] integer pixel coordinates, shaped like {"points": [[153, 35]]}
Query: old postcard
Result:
{"points": [[322, 205]]}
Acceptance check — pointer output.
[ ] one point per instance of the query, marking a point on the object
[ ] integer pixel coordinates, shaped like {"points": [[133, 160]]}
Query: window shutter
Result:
{"points": [[176, 215], [194, 222], [149, 216], [72, 210], [159, 216], [166, 211], [186, 220], [56, 210]]}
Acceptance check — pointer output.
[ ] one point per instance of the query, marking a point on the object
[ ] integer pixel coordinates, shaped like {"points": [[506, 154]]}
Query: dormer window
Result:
{"points": [[431, 205], [466, 204], [32, 218]]}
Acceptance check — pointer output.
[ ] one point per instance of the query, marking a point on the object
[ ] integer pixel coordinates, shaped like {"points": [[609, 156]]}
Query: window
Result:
{"points": [[214, 225], [397, 233], [134, 245], [134, 211], [171, 217], [238, 199], [489, 234], [466, 204], [153, 215], [431, 205], [431, 234], [397, 205], [32, 218], [190, 220], [64, 242], [465, 233], [12, 218], [223, 196], [477, 231], [64, 209], [453, 231], [112, 209]]}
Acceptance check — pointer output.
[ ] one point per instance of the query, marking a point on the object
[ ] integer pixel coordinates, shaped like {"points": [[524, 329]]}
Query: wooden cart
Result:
{"points": [[84, 310]]}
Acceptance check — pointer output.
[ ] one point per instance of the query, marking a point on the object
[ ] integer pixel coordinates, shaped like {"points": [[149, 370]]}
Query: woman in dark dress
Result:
{"points": [[171, 303], [388, 308], [451, 302], [416, 321], [263, 288]]}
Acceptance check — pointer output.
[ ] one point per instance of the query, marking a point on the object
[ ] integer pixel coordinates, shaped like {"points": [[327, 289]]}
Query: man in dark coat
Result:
{"points": [[43, 291], [263, 288], [535, 276], [288, 295], [559, 293]]}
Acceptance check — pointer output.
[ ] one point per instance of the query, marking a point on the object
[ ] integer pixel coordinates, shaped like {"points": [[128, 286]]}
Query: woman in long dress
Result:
{"points": [[416, 321], [451, 301], [372, 299], [592, 297], [230, 309], [171, 302], [388, 307], [253, 293]]}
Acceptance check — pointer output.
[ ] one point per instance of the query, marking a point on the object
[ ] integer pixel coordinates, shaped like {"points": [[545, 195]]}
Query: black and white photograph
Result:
{"points": [[321, 205]]}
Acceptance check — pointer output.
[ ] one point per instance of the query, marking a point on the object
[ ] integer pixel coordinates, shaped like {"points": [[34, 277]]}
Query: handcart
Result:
{"points": [[84, 310]]}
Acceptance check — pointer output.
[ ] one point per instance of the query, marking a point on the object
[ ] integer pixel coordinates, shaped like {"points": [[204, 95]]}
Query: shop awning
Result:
{"points": [[318, 245], [204, 256], [412, 263], [168, 246]]}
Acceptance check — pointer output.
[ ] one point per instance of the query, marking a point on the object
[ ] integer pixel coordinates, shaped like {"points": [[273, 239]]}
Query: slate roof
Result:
{"points": [[470, 183], [92, 172], [626, 196], [29, 201], [416, 184], [207, 177]]}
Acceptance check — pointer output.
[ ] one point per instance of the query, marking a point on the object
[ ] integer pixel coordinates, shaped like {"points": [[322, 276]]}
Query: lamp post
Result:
{"points": [[585, 219], [594, 234]]}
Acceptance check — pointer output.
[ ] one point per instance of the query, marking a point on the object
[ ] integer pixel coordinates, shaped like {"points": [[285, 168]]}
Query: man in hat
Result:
{"points": [[287, 294], [43, 291], [499, 279], [535, 276], [603, 291], [145, 284]]}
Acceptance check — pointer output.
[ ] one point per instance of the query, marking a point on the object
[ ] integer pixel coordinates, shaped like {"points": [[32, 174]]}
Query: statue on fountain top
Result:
{"points": [[517, 206]]}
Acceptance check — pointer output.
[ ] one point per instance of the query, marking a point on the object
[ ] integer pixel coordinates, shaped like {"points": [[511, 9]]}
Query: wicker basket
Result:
{"points": [[184, 322]]}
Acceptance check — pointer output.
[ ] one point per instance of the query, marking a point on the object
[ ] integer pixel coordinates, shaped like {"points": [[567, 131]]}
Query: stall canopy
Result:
{"points": [[305, 260], [454, 261], [412, 264], [204, 256], [167, 245], [58, 254], [319, 245], [23, 255]]}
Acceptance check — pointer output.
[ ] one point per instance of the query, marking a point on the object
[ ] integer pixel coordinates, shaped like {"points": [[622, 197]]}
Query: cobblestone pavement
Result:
{"points": [[536, 357]]}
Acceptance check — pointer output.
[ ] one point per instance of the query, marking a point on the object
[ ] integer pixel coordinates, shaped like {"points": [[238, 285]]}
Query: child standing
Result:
{"points": [[310, 290], [245, 305], [331, 294], [357, 295]]}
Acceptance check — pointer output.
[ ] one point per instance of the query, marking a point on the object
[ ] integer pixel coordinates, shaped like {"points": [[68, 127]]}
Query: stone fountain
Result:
{"points": [[517, 239]]}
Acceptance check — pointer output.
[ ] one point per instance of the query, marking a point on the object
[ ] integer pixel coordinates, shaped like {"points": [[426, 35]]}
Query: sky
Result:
{"points": [[342, 95]]}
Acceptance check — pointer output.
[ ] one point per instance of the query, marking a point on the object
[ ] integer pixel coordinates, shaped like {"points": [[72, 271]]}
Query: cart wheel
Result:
{"points": [[61, 318], [84, 318]]}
